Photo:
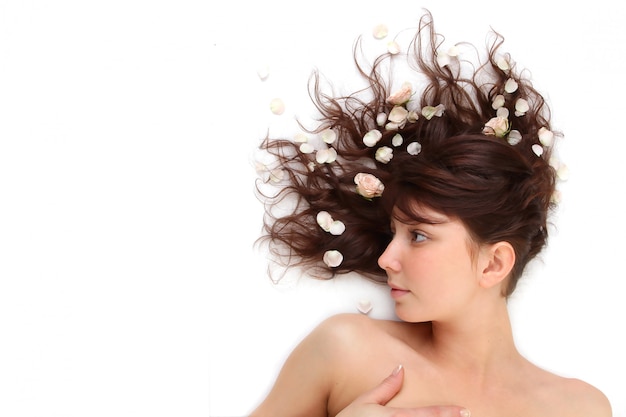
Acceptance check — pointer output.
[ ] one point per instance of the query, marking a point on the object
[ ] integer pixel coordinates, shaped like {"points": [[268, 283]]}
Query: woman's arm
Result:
{"points": [[303, 384]]}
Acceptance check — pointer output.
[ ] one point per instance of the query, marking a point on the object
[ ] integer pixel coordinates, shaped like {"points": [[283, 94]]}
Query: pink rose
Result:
{"points": [[401, 96], [368, 185], [498, 126]]}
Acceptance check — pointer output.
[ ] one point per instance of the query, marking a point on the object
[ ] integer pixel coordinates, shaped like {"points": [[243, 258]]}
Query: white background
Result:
{"points": [[129, 284]]}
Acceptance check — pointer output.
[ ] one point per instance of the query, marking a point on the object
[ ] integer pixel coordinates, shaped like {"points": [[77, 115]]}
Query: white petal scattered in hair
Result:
{"points": [[381, 119], [429, 111], [326, 156], [384, 154], [372, 137], [414, 148], [364, 306], [502, 112], [277, 106], [443, 59], [521, 107], [397, 140], [546, 137], [454, 50], [337, 227], [393, 47], [380, 31], [306, 148], [503, 64], [498, 102], [300, 138], [510, 86], [329, 135], [514, 137], [537, 149], [333, 258], [398, 114], [325, 220], [563, 172]]}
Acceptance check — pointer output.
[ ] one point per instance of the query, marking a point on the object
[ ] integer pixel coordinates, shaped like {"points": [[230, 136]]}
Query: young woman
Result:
{"points": [[441, 186]]}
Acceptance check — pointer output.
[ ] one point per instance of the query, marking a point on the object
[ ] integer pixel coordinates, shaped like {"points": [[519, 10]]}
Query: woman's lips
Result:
{"points": [[397, 292]]}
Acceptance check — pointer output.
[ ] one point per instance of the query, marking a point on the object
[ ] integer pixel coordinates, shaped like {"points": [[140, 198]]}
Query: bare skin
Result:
{"points": [[455, 343]]}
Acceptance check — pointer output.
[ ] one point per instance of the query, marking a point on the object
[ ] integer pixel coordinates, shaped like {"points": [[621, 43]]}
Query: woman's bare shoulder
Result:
{"points": [[574, 396]]}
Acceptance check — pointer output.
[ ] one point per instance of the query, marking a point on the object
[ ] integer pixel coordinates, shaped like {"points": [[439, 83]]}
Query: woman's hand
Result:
{"points": [[372, 403]]}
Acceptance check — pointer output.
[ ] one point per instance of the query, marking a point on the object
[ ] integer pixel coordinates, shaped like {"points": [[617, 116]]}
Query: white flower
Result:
{"points": [[498, 126], [372, 137], [381, 119], [412, 116], [521, 107], [368, 185], [333, 258], [502, 112], [537, 149], [402, 95], [546, 137], [328, 135], [384, 154], [429, 111], [510, 86], [397, 140], [414, 148]]}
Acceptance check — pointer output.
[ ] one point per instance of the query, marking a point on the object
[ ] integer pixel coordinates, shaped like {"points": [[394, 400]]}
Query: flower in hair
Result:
{"points": [[402, 95], [546, 137], [414, 148], [498, 102], [326, 156], [514, 137], [497, 126], [397, 140], [330, 225], [521, 107], [510, 86], [372, 137], [397, 118], [429, 111], [333, 258], [368, 185], [328, 135], [384, 154]]}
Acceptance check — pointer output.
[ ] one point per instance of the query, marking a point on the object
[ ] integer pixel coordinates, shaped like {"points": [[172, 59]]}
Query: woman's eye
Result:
{"points": [[418, 237]]}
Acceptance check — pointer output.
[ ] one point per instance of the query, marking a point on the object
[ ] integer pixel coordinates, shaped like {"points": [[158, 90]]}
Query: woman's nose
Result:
{"points": [[388, 260]]}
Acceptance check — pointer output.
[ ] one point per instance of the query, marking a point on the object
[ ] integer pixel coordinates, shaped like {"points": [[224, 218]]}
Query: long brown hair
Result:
{"points": [[502, 192]]}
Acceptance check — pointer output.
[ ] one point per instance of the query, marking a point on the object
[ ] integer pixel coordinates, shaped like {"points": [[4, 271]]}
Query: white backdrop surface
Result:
{"points": [[129, 284]]}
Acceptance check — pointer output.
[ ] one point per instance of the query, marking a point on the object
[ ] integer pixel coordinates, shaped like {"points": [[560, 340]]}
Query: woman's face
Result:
{"points": [[430, 269]]}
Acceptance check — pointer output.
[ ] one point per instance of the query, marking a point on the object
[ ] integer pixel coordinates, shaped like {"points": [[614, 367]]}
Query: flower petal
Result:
{"points": [[393, 47], [514, 137], [337, 227], [277, 106], [498, 102], [325, 220], [384, 154], [381, 119], [372, 137], [306, 148], [397, 140], [521, 107], [537, 149], [510, 86], [364, 306], [546, 137], [333, 258], [329, 135], [380, 31], [414, 148]]}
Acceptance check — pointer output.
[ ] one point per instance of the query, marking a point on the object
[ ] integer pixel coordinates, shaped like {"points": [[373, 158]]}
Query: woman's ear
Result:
{"points": [[498, 263]]}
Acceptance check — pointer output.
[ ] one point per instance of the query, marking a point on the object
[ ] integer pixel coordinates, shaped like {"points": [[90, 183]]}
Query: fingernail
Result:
{"points": [[397, 370], [466, 413]]}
